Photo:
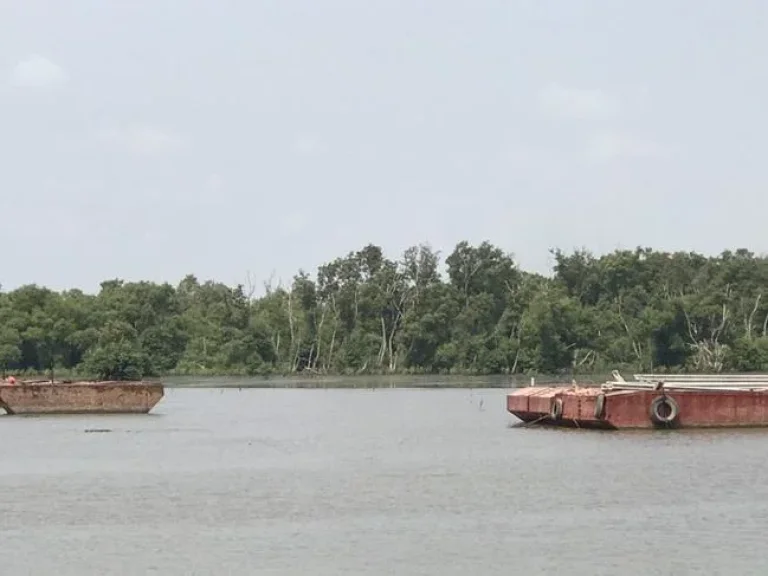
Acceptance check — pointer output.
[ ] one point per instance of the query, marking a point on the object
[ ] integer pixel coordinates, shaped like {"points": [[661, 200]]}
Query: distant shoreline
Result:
{"points": [[355, 382], [369, 381], [336, 381]]}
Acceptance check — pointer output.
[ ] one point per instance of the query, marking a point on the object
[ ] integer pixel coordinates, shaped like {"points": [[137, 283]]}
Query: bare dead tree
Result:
{"points": [[293, 349], [636, 346], [250, 286], [750, 319], [319, 332], [268, 283], [710, 352], [331, 348]]}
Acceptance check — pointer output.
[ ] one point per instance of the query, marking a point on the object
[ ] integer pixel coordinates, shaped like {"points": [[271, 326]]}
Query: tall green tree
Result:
{"points": [[475, 311]]}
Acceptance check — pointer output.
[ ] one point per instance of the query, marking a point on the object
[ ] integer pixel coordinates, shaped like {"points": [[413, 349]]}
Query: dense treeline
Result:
{"points": [[365, 313]]}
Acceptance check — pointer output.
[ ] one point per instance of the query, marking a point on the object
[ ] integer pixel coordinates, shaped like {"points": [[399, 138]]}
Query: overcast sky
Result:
{"points": [[148, 139]]}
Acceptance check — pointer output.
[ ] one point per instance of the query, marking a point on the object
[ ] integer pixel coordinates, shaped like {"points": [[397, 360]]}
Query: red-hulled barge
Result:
{"points": [[700, 401]]}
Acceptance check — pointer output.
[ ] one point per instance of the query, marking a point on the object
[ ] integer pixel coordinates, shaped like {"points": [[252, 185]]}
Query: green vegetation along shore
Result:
{"points": [[638, 310]]}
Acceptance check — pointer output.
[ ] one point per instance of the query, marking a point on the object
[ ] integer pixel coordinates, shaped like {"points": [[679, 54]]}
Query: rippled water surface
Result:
{"points": [[330, 482]]}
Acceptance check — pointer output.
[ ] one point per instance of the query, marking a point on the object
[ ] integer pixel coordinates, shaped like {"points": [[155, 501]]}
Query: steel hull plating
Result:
{"points": [[634, 409], [80, 398]]}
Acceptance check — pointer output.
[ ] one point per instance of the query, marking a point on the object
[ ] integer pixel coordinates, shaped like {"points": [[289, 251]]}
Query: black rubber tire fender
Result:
{"points": [[657, 416], [600, 406], [556, 408]]}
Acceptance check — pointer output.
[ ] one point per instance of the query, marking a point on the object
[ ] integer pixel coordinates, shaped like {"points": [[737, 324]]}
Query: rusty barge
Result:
{"points": [[650, 401], [82, 397]]}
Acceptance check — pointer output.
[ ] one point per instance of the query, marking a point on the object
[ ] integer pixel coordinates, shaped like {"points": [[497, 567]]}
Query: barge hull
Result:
{"points": [[634, 409], [80, 398]]}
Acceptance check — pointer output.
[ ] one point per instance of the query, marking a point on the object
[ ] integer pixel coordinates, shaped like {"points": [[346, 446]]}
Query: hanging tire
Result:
{"points": [[556, 409], [664, 410], [600, 406]]}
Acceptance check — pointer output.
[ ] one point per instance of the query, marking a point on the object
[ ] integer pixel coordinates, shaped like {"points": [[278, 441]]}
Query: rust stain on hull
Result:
{"points": [[80, 397], [638, 409]]}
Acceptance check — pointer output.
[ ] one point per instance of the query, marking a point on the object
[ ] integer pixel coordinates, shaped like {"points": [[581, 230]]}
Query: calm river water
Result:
{"points": [[411, 482]]}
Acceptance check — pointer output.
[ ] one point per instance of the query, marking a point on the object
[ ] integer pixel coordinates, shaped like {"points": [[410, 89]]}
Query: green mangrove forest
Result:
{"points": [[475, 312]]}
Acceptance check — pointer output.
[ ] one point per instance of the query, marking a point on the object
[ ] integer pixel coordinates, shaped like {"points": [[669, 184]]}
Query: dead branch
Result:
{"points": [[692, 329], [268, 284], [319, 333], [292, 330], [250, 287], [383, 348], [719, 330], [635, 346], [765, 326], [587, 357], [329, 362], [752, 315]]}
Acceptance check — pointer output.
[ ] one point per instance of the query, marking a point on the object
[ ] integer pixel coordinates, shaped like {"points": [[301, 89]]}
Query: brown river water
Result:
{"points": [[372, 482]]}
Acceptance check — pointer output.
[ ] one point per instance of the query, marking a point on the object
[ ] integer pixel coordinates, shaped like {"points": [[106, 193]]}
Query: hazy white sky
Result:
{"points": [[154, 138]]}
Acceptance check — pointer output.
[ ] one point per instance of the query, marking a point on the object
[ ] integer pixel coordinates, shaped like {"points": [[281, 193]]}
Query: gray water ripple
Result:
{"points": [[372, 482]]}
